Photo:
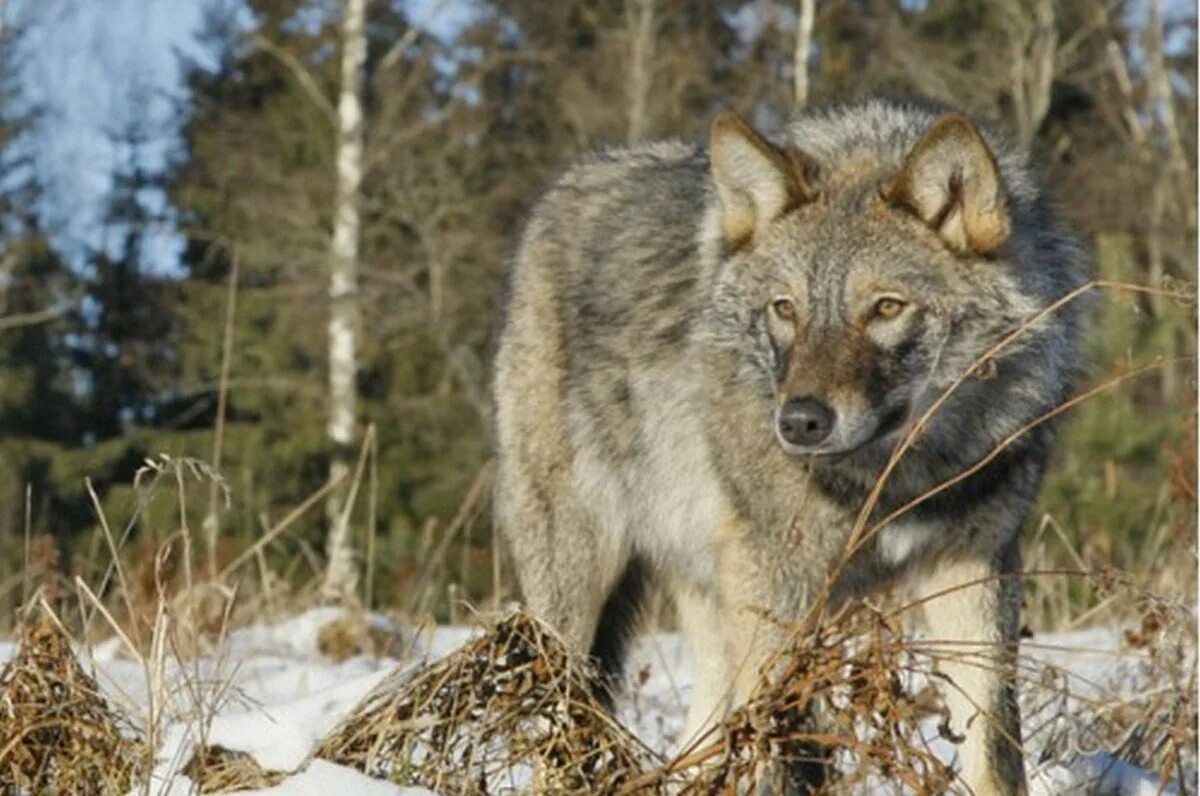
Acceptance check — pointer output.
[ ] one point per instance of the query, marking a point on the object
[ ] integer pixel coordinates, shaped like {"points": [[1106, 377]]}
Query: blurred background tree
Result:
{"points": [[194, 320]]}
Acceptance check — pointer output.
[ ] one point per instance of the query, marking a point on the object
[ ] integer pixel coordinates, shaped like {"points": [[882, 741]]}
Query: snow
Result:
{"points": [[1097, 775], [322, 777], [272, 694], [281, 734]]}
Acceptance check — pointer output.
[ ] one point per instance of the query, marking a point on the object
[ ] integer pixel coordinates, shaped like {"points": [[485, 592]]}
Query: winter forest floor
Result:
{"points": [[159, 678], [268, 696]]}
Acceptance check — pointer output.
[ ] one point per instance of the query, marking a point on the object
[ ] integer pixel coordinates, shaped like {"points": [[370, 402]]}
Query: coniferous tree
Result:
{"points": [[35, 396], [122, 325], [39, 414]]}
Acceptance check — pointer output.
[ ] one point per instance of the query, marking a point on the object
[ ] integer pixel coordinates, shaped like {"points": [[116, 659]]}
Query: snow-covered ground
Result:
{"points": [[272, 694]]}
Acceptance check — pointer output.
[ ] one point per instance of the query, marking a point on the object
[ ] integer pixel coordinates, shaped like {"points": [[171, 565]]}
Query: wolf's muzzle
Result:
{"points": [[805, 422]]}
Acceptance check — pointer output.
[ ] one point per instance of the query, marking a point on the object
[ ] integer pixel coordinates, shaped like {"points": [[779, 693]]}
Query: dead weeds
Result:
{"points": [[216, 769], [511, 710], [514, 711], [58, 735], [835, 715], [1147, 718]]}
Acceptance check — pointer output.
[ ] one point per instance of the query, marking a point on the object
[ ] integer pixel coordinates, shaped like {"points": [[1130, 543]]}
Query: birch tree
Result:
{"points": [[340, 575], [641, 62], [805, 18]]}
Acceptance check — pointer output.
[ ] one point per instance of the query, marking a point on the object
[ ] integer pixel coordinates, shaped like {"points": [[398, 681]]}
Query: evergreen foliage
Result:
{"points": [[123, 358]]}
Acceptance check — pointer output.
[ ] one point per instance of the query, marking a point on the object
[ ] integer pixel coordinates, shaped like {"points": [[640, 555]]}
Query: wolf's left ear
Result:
{"points": [[756, 181], [951, 182]]}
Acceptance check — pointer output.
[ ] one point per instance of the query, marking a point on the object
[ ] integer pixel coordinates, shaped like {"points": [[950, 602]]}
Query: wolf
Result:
{"points": [[712, 356]]}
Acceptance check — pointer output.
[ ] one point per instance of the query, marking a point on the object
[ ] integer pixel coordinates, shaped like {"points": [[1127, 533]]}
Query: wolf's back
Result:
{"points": [[610, 250]]}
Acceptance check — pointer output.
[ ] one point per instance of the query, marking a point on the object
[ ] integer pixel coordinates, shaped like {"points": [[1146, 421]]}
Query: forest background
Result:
{"points": [[267, 239]]}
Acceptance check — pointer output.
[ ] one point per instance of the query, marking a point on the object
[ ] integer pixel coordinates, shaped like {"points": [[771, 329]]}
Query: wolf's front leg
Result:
{"points": [[763, 589], [712, 692], [972, 608]]}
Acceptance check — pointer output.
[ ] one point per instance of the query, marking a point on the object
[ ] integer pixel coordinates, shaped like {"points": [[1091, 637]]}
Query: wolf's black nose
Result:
{"points": [[805, 421]]}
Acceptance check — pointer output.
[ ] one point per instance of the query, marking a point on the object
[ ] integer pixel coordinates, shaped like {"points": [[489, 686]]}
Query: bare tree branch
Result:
{"points": [[302, 75], [1033, 42], [394, 52], [20, 319]]}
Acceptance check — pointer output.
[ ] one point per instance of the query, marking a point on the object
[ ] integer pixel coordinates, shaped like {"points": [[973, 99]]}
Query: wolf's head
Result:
{"points": [[863, 267]]}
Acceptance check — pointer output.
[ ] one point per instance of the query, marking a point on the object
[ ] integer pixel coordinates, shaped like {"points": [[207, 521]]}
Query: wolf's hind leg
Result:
{"points": [[552, 556], [973, 633], [568, 576]]}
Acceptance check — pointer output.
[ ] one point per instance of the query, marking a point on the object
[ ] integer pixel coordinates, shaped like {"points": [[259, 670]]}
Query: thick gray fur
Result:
{"points": [[639, 377]]}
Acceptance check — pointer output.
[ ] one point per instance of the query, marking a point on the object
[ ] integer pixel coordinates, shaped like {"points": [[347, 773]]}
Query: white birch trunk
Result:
{"points": [[641, 28], [340, 575], [805, 19]]}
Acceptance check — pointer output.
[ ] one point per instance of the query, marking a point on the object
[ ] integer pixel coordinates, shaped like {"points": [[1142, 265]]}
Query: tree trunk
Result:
{"points": [[806, 17], [1033, 42], [1171, 187], [1118, 66], [340, 575], [641, 62], [1162, 102]]}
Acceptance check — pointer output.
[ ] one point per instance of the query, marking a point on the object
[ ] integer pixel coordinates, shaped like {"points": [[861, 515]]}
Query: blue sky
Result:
{"points": [[92, 66]]}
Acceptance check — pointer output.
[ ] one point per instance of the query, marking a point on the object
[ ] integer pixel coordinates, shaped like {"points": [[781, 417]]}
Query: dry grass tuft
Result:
{"points": [[513, 710], [216, 769], [509, 710], [57, 732], [354, 634], [1151, 725], [835, 707]]}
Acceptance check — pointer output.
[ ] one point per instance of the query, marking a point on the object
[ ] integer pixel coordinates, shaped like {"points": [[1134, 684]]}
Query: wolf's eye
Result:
{"points": [[784, 309], [887, 308]]}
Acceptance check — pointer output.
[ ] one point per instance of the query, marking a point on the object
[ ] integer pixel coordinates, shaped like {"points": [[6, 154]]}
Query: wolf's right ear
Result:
{"points": [[756, 181], [950, 181]]}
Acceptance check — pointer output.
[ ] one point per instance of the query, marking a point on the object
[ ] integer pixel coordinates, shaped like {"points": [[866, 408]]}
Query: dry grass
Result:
{"points": [[509, 710], [513, 710], [836, 707], [57, 732], [215, 769], [1150, 720]]}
